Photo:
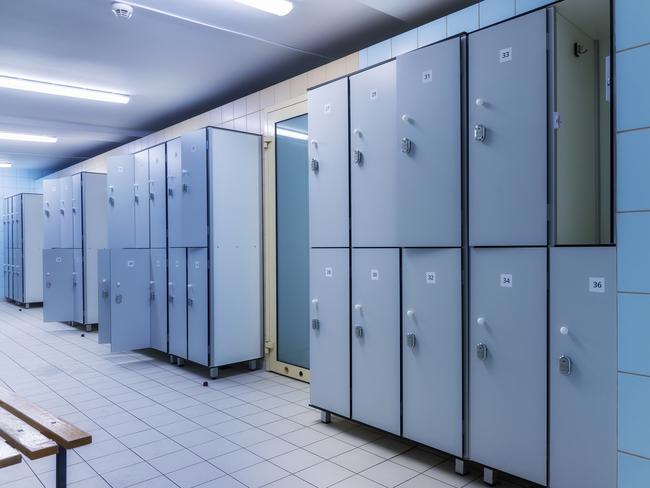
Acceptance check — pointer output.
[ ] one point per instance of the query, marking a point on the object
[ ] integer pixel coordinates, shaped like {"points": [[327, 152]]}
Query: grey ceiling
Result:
{"points": [[176, 58]]}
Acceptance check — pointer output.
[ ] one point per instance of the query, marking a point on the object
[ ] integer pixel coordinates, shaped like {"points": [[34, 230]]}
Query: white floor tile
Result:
{"points": [[389, 473], [236, 460], [259, 474], [324, 474]]}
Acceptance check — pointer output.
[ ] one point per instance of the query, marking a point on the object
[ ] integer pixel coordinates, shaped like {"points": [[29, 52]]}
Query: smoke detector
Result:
{"points": [[122, 10]]}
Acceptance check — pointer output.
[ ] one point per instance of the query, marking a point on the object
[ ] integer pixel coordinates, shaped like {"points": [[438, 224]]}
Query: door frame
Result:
{"points": [[270, 116]]}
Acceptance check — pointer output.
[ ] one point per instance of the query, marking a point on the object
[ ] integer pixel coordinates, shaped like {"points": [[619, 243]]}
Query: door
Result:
{"points": [[121, 212], [427, 145], [174, 196], [129, 299], [18, 276], [197, 305], [51, 228], [329, 345], [58, 293], [157, 197], [78, 286], [432, 350], [177, 301], [507, 360], [104, 302], [329, 198], [508, 133], [141, 198], [18, 221], [376, 338], [373, 168], [65, 212], [158, 295], [582, 367], [77, 209]]}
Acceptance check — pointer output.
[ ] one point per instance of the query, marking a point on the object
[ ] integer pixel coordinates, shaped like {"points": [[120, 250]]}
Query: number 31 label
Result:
{"points": [[597, 285]]}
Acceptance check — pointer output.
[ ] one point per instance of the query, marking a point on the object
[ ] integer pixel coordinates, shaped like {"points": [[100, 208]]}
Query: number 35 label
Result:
{"points": [[597, 285], [506, 280], [505, 55]]}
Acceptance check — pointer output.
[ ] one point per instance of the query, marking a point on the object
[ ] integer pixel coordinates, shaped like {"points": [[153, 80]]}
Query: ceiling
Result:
{"points": [[176, 58]]}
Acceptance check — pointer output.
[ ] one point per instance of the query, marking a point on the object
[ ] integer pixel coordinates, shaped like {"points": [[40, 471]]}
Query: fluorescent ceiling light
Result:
{"points": [[277, 7], [5, 165], [13, 136], [61, 90], [291, 133]]}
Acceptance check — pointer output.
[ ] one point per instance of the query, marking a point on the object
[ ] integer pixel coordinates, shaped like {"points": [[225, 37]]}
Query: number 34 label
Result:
{"points": [[505, 280], [597, 285]]}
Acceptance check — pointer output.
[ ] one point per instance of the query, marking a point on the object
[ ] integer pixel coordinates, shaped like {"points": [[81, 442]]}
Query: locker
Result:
{"points": [[157, 196], [507, 360], [129, 299], [583, 396], [141, 198], [432, 338], [158, 297], [376, 338], [17, 233], [177, 301], [197, 305], [329, 344], [17, 294], [121, 212], [58, 296], [65, 212], [78, 286], [427, 146], [104, 301], [77, 208], [508, 133], [373, 168], [329, 199], [187, 200], [51, 229]]}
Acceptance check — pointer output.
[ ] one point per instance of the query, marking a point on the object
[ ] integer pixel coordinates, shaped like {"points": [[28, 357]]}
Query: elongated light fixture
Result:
{"points": [[14, 136], [61, 90], [276, 7], [5, 164], [291, 134]]}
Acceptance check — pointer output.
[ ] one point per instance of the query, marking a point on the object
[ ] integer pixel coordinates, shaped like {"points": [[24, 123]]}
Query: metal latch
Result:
{"points": [[565, 365], [186, 188], [170, 192], [481, 351], [152, 290], [357, 157], [406, 145], [105, 288], [111, 200], [410, 340], [190, 300], [358, 331], [315, 324], [314, 165], [118, 298], [480, 133]]}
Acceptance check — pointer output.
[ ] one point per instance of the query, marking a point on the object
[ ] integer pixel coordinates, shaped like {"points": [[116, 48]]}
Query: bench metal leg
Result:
{"points": [[61, 468]]}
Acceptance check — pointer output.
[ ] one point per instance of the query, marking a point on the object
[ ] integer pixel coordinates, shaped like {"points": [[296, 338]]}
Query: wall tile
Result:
{"points": [[633, 79], [316, 76], [408, 41], [298, 85], [363, 58], [215, 116], [253, 123], [240, 123], [493, 11], [282, 92], [526, 5], [633, 245], [379, 52], [228, 112], [351, 63], [633, 170], [633, 333], [633, 472], [267, 97], [465, 20], [632, 23], [633, 418], [432, 32], [336, 69], [253, 103], [240, 108]]}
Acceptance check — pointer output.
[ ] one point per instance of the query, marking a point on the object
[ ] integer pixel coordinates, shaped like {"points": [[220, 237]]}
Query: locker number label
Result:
{"points": [[327, 108], [374, 274], [157, 263], [59, 259], [197, 264], [427, 76], [374, 94], [130, 263], [506, 280], [329, 272], [120, 169], [597, 285], [431, 277], [505, 55]]}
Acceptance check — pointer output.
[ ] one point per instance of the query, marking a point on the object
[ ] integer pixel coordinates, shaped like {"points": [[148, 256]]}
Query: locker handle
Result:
{"points": [[410, 314], [170, 291], [358, 331], [314, 302], [104, 288], [481, 321], [152, 290], [190, 294], [564, 330], [411, 340]]}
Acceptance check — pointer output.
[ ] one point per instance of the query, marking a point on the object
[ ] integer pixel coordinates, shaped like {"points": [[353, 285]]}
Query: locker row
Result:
{"points": [[388, 328], [23, 242]]}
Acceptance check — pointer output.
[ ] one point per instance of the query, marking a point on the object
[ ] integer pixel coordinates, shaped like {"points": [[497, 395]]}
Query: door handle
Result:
{"points": [[480, 133], [152, 290], [566, 365], [358, 331], [410, 340], [481, 351], [105, 288], [190, 293], [314, 165], [315, 324]]}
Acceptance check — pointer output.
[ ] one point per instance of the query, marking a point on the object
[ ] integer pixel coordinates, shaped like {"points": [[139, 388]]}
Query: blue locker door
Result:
{"points": [[18, 276], [58, 297], [18, 222], [121, 213], [51, 230], [129, 299], [78, 286], [65, 212], [174, 197], [194, 201], [77, 207], [157, 197], [177, 301], [141, 199], [158, 291], [197, 305], [104, 288]]}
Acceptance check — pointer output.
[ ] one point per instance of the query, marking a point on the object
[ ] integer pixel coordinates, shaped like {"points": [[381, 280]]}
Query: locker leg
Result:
{"points": [[214, 373], [325, 417], [461, 467], [253, 364], [489, 476], [27, 305], [180, 362], [89, 328], [172, 359]]}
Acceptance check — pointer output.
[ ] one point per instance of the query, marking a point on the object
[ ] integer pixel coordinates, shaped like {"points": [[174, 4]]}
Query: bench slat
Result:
{"points": [[8, 455], [65, 434], [25, 438]]}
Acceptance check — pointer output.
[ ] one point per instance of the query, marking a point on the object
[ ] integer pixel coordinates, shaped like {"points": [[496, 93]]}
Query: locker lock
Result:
{"points": [[47, 213], [481, 351], [111, 200], [170, 192], [315, 324], [358, 331], [406, 145], [480, 133], [118, 298], [565, 365], [357, 157], [314, 165], [105, 288], [136, 198], [152, 290], [190, 300], [186, 188], [410, 340]]}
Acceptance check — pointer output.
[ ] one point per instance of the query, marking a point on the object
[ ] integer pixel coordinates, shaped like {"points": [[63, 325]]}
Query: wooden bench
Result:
{"points": [[36, 434]]}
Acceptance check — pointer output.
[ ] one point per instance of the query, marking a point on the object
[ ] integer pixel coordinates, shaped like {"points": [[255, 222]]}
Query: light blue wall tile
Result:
{"points": [[379, 52], [493, 11], [465, 20], [633, 170], [363, 58], [634, 252], [633, 472], [633, 333], [526, 5], [633, 414], [632, 23], [432, 32], [633, 79], [408, 41]]}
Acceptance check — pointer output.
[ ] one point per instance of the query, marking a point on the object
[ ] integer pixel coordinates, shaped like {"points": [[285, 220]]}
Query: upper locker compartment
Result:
{"points": [[157, 197], [427, 146], [329, 198], [77, 208], [51, 232], [507, 103], [141, 199], [66, 216], [373, 169], [121, 213]]}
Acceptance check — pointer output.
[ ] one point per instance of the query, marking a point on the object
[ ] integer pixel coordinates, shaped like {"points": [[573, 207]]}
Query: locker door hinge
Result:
{"points": [[269, 346], [557, 120]]}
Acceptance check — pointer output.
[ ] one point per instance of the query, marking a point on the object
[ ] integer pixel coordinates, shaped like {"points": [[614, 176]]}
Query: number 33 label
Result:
{"points": [[505, 55], [597, 285]]}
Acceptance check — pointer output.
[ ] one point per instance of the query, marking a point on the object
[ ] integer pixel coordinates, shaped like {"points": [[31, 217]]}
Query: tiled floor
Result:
{"points": [[155, 425]]}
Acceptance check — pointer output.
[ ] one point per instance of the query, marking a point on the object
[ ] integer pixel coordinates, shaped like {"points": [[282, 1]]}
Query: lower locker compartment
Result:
{"points": [[58, 290], [177, 301], [158, 297]]}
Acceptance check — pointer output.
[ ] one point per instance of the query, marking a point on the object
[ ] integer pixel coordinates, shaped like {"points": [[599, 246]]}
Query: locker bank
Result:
{"points": [[347, 244]]}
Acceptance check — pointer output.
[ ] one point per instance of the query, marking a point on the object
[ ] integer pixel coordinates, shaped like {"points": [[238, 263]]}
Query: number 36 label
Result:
{"points": [[597, 285]]}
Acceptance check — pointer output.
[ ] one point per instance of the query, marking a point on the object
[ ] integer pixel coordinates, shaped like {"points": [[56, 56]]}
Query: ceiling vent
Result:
{"points": [[122, 10]]}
